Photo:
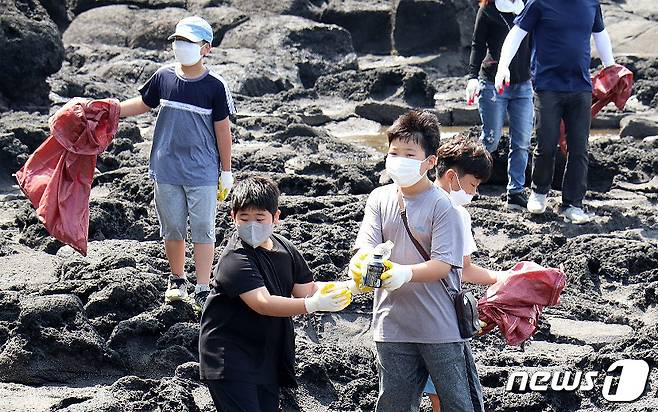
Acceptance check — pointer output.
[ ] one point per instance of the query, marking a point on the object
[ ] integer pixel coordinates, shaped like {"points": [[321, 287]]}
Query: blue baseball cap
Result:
{"points": [[194, 29]]}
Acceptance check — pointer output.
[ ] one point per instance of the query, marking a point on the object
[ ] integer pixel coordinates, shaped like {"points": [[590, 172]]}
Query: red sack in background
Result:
{"points": [[612, 84], [516, 303], [58, 175]]}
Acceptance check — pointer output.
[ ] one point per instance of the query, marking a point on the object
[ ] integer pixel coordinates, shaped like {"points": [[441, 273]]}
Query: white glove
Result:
{"points": [[396, 276], [502, 78], [351, 286], [472, 90], [357, 268], [225, 185], [329, 298]]}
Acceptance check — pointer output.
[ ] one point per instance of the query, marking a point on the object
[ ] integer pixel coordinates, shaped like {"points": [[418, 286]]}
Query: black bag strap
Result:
{"points": [[419, 247]]}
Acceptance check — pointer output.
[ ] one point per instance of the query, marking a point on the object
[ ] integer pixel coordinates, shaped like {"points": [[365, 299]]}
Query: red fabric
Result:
{"points": [[612, 84], [516, 303], [58, 175]]}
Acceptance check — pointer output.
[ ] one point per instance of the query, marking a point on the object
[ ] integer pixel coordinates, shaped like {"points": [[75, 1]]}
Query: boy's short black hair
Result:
{"points": [[466, 156], [417, 126], [255, 192]]}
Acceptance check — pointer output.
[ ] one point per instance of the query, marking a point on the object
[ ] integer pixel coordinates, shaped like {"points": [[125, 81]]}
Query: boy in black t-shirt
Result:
{"points": [[247, 343]]}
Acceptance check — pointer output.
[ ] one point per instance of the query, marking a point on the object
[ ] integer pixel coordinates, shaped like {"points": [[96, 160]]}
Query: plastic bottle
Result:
{"points": [[376, 267]]}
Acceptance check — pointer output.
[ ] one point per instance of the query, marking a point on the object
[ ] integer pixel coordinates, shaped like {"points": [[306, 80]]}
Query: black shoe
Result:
{"points": [[200, 300], [517, 201]]}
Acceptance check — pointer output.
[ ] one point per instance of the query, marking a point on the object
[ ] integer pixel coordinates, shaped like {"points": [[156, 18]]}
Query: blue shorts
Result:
{"points": [[174, 204]]}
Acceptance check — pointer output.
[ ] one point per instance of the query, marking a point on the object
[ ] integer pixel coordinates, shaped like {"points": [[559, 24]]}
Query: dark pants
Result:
{"points": [[234, 396], [404, 367], [575, 109]]}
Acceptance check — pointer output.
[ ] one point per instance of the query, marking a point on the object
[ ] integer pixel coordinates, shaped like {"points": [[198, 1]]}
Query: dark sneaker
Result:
{"points": [[517, 201], [177, 289], [200, 300]]}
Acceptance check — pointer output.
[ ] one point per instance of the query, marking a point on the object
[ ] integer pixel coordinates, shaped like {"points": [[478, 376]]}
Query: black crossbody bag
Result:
{"points": [[464, 301]]}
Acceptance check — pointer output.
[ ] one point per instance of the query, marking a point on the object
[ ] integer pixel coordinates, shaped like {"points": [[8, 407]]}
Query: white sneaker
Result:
{"points": [[536, 203], [576, 215], [176, 289]]}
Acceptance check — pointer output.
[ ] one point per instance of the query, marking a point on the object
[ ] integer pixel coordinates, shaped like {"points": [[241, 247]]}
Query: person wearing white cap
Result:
{"points": [[190, 160]]}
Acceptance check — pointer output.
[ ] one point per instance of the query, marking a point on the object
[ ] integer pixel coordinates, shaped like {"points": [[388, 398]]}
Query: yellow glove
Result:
{"points": [[357, 268], [225, 185], [328, 298]]}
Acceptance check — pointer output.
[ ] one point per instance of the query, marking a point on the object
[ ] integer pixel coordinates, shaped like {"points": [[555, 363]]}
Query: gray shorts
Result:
{"points": [[175, 203]]}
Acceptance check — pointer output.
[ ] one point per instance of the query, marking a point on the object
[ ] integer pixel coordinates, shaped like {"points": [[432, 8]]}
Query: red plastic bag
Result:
{"points": [[58, 175], [611, 84], [514, 305]]}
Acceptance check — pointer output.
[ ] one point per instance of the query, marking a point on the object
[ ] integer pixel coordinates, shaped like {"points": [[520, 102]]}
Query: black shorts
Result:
{"points": [[235, 396]]}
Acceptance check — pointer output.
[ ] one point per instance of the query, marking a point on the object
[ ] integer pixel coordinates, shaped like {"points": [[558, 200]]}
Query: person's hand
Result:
{"points": [[349, 285], [357, 268], [472, 90], [395, 275], [328, 298], [502, 79], [500, 275], [225, 185]]}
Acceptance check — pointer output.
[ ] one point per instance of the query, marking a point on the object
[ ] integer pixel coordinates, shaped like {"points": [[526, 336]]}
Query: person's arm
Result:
{"points": [[478, 44], [133, 107], [262, 302], [302, 290], [473, 273], [224, 142], [507, 53], [604, 47]]}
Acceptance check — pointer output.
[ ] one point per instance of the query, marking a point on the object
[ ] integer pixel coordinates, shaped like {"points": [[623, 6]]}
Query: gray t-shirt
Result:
{"points": [[416, 312]]}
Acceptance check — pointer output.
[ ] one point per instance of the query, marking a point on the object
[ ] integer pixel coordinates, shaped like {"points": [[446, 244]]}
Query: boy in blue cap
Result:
{"points": [[190, 160]]}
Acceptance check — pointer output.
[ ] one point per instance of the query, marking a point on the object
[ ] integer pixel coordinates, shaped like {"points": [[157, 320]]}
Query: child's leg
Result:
{"points": [[436, 406], [202, 206], [175, 250], [203, 257], [171, 207], [430, 390]]}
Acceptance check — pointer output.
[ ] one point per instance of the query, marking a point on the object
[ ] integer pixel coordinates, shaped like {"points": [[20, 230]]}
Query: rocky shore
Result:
{"points": [[309, 77]]}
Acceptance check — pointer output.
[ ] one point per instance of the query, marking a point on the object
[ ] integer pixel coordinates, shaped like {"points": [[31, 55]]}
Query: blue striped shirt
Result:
{"points": [[184, 150]]}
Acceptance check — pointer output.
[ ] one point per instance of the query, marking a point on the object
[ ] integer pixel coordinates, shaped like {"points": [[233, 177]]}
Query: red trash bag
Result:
{"points": [[612, 84], [58, 175], [514, 305]]}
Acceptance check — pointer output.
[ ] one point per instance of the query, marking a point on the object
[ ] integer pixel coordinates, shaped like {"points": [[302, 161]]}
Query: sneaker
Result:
{"points": [[576, 215], [536, 203], [176, 290], [517, 201], [200, 300]]}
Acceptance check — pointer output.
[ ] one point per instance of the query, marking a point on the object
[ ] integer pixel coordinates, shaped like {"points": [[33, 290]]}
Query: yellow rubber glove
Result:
{"points": [[225, 185], [395, 275], [357, 268], [328, 298]]}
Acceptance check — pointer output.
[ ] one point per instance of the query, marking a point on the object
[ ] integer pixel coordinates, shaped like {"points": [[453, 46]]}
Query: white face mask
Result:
{"points": [[509, 6], [405, 172], [460, 197], [186, 53], [255, 233]]}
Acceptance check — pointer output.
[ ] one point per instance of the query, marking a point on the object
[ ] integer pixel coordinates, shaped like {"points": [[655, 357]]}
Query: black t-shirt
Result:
{"points": [[236, 342], [491, 28]]}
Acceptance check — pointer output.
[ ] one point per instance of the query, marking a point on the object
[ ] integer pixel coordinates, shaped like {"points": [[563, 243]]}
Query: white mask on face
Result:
{"points": [[405, 172], [460, 197], [186, 53], [255, 233], [509, 6]]}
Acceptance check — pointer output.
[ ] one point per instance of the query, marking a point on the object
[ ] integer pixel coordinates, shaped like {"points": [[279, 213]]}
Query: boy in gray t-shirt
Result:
{"points": [[191, 152], [414, 320]]}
